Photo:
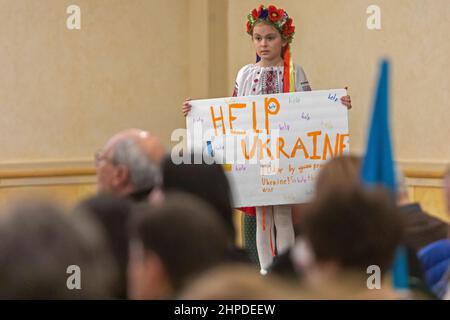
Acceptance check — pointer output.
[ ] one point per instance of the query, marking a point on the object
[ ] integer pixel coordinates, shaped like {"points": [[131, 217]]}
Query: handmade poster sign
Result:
{"points": [[271, 146]]}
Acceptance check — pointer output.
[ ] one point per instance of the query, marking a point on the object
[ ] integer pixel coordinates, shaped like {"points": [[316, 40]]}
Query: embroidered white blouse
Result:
{"points": [[255, 80]]}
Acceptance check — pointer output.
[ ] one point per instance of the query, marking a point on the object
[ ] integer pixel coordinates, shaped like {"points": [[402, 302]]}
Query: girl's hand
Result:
{"points": [[346, 101], [186, 107]]}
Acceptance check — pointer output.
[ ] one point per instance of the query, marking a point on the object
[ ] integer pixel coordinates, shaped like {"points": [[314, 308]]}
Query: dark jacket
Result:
{"points": [[421, 229]]}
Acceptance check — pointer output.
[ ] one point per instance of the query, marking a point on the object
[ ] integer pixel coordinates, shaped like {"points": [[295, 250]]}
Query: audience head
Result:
{"points": [[113, 214], [43, 250], [239, 282], [340, 173], [206, 181], [172, 243], [129, 163], [350, 231]]}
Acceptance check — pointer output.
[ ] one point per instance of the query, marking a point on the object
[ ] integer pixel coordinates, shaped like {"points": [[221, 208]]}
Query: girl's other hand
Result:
{"points": [[346, 101], [186, 107]]}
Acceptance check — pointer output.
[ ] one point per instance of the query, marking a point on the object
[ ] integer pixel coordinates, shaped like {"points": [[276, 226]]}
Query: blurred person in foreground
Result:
{"points": [[113, 215], [240, 282], [171, 244], [340, 173], [346, 234], [209, 183], [41, 250]]}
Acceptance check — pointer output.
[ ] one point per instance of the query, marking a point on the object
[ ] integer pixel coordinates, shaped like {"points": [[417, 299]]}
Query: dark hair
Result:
{"points": [[185, 233], [207, 181], [113, 214], [355, 229], [38, 243]]}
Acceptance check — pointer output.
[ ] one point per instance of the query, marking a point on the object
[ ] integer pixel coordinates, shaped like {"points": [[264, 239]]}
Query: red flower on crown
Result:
{"points": [[255, 13], [249, 27], [275, 14], [288, 28]]}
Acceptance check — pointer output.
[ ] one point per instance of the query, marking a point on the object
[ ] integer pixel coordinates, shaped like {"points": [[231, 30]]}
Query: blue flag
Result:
{"points": [[378, 164]]}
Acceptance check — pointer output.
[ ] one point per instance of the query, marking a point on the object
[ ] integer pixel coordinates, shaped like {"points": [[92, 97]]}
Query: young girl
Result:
{"points": [[272, 31]]}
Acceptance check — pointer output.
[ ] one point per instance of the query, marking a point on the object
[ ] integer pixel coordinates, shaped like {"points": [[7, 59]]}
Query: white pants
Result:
{"points": [[267, 219]]}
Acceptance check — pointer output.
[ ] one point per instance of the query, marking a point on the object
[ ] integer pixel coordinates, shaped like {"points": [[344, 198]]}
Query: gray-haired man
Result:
{"points": [[128, 164]]}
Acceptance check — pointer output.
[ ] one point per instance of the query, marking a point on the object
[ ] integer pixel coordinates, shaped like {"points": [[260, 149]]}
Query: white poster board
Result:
{"points": [[271, 146]]}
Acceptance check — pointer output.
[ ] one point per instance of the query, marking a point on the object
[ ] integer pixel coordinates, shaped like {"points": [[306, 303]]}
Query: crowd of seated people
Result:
{"points": [[160, 230]]}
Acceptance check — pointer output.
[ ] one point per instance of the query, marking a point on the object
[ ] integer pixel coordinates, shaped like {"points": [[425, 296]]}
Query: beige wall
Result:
{"points": [[63, 92]]}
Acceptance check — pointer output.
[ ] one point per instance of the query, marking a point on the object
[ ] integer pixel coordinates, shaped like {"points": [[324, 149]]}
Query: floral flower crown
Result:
{"points": [[277, 17]]}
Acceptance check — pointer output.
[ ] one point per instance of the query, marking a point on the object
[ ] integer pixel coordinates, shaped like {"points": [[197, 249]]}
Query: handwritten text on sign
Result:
{"points": [[272, 146]]}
